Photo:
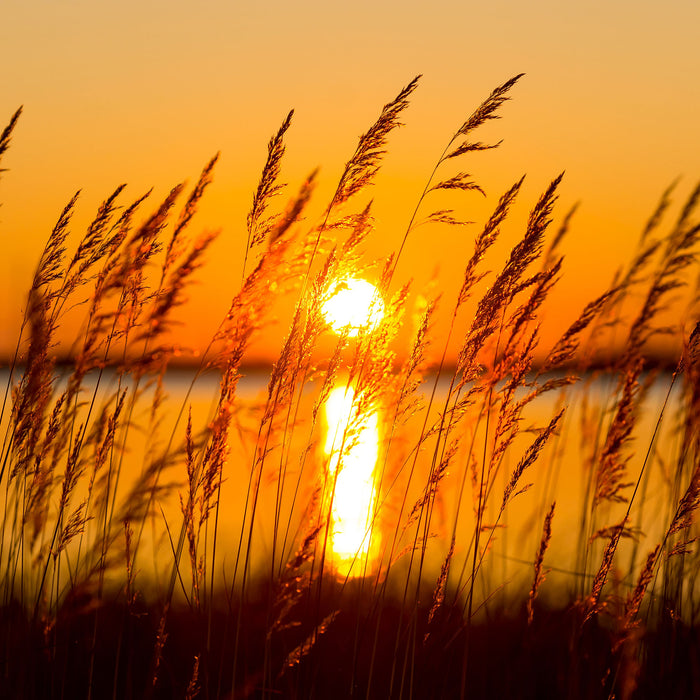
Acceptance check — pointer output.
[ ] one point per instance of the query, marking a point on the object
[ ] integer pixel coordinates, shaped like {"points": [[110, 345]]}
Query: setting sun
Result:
{"points": [[353, 304]]}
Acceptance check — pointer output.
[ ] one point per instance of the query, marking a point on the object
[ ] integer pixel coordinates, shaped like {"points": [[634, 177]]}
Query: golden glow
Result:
{"points": [[353, 304], [352, 444]]}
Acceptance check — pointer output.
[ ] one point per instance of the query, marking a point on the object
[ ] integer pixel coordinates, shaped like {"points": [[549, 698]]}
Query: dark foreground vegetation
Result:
{"points": [[554, 657]]}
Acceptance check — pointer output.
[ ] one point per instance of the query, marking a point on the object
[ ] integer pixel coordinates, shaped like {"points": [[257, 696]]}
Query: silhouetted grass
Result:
{"points": [[119, 578]]}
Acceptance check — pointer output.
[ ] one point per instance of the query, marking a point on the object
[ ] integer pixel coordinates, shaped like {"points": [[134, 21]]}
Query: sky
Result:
{"points": [[146, 92]]}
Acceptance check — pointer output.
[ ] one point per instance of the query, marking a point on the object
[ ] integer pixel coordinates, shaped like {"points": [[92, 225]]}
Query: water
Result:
{"points": [[281, 494]]}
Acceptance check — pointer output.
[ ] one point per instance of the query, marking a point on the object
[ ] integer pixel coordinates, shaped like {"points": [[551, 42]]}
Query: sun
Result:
{"points": [[351, 305]]}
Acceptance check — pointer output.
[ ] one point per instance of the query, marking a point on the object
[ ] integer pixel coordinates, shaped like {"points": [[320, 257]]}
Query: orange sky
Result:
{"points": [[146, 92]]}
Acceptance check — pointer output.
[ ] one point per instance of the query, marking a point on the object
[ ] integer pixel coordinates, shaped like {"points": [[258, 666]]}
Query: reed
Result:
{"points": [[120, 575]]}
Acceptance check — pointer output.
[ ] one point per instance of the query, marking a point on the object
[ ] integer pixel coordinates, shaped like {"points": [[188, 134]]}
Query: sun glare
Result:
{"points": [[353, 304], [352, 444]]}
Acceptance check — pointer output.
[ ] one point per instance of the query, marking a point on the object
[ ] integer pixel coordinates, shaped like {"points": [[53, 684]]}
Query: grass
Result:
{"points": [[154, 548]]}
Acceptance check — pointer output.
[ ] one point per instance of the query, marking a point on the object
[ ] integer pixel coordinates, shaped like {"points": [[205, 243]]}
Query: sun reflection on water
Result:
{"points": [[352, 445]]}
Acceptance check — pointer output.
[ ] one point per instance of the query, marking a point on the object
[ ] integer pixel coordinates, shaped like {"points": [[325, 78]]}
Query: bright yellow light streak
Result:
{"points": [[353, 304], [352, 444]]}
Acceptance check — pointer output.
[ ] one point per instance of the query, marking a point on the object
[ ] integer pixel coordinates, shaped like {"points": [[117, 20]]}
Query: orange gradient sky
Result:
{"points": [[146, 92]]}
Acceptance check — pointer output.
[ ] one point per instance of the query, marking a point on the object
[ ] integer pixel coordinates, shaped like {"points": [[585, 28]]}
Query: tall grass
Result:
{"points": [[121, 573]]}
